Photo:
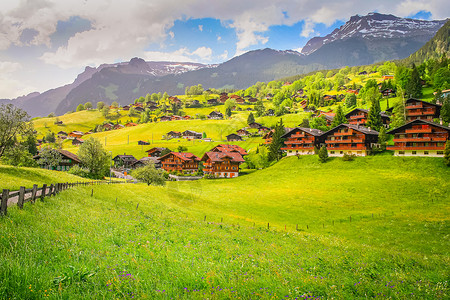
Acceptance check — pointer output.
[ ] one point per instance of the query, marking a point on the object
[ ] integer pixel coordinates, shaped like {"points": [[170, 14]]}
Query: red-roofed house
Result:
{"points": [[222, 164], [179, 161], [229, 148]]}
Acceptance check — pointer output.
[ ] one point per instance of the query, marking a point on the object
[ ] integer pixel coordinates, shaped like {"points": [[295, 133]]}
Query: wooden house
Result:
{"points": [[68, 160], [267, 137], [118, 126], [139, 109], [222, 164], [156, 151], [150, 103], [62, 134], [58, 122], [420, 138], [126, 107], [124, 161], [387, 77], [192, 135], [147, 160], [359, 116], [77, 141], [243, 132], [229, 148], [176, 118], [240, 100], [263, 129], [130, 124], [388, 93], [152, 107], [350, 139], [180, 162], [234, 137], [252, 100], [165, 118], [143, 143], [215, 115], [254, 125], [223, 97], [174, 134], [212, 101], [76, 134], [302, 141], [419, 109], [108, 126]]}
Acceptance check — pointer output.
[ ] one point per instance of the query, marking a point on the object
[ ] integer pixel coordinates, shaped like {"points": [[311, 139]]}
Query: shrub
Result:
{"points": [[79, 171], [323, 154], [348, 157]]}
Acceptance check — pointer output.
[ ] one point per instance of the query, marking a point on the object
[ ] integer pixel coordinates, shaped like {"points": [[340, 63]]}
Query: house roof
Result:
{"points": [[417, 121], [156, 149], [147, 159], [229, 148], [222, 156], [383, 114], [69, 155], [186, 156], [125, 157], [359, 128], [191, 132], [312, 131], [414, 99]]}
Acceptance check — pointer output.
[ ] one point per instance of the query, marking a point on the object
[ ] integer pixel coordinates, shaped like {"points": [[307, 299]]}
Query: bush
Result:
{"points": [[323, 154], [348, 157], [79, 171]]}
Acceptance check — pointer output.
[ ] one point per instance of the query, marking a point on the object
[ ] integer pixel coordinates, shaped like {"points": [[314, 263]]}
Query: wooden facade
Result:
{"points": [[350, 139], [359, 116], [155, 152], [229, 148], [420, 138], [301, 141], [180, 162], [234, 137], [222, 164], [68, 160], [125, 161], [416, 109]]}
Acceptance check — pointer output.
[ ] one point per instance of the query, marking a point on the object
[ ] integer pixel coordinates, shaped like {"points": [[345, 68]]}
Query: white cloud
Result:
{"points": [[180, 55], [200, 27], [224, 56], [203, 52], [11, 87], [172, 35], [219, 38], [308, 29]]}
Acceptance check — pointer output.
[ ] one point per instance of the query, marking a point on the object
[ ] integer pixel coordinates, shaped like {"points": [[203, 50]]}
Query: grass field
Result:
{"points": [[209, 238]]}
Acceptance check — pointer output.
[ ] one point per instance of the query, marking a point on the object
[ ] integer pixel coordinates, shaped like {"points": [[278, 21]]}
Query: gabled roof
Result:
{"points": [[186, 156], [191, 132], [223, 156], [156, 149], [415, 122], [414, 99], [359, 128], [125, 157], [229, 148], [69, 155], [383, 114], [146, 159], [312, 131]]}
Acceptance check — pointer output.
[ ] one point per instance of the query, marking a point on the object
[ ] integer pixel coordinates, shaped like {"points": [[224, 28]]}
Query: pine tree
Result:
{"points": [[374, 117], [323, 154], [414, 84], [251, 119], [445, 110], [382, 138], [275, 152], [228, 111], [447, 153], [339, 118]]}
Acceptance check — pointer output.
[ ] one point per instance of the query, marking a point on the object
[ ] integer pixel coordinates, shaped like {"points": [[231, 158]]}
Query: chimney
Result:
{"points": [[440, 121], [370, 129]]}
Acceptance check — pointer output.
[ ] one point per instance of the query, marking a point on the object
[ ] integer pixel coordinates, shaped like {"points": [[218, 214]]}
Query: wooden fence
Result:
{"points": [[24, 195]]}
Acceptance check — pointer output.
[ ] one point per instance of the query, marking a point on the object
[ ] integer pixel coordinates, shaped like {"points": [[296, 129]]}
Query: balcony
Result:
{"points": [[308, 141], [345, 147], [415, 147], [350, 132], [347, 141], [300, 147], [418, 130], [420, 113], [354, 117], [297, 135], [416, 106], [413, 139]]}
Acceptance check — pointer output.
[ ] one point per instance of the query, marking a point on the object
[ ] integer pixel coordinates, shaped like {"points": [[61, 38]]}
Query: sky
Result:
{"points": [[45, 44]]}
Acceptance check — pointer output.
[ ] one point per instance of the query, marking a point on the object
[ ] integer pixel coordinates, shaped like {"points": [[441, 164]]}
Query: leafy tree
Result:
{"points": [[182, 149], [414, 85], [374, 117], [165, 151], [18, 156], [51, 115], [88, 105], [441, 78], [402, 76], [105, 111], [115, 104], [318, 123], [165, 96], [398, 112], [29, 142], [80, 107], [382, 138], [100, 105], [175, 109], [350, 100], [149, 174], [13, 122], [339, 117], [323, 154], [49, 158], [447, 153], [275, 152], [258, 159], [260, 109], [204, 135], [445, 110], [250, 119], [228, 111], [94, 158], [132, 112], [49, 137]]}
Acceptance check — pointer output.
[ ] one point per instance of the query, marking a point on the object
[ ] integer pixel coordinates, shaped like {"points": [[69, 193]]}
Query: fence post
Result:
{"points": [[21, 197], [51, 190], [44, 190], [33, 193], [4, 203]]}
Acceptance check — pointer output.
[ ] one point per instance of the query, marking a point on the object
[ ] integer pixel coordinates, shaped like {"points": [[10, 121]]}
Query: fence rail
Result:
{"points": [[24, 195]]}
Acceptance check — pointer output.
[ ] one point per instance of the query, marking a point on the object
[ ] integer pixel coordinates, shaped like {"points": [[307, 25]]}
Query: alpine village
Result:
{"points": [[324, 180]]}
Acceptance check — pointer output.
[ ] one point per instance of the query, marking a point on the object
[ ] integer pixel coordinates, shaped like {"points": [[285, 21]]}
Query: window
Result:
{"points": [[425, 152], [440, 152], [341, 152], [401, 152], [414, 152], [332, 152]]}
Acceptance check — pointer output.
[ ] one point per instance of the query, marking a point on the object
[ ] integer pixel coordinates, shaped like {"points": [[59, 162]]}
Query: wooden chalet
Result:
{"points": [[152, 107], [180, 162], [176, 118], [359, 116], [62, 134], [165, 118], [176, 101], [156, 151], [149, 103], [68, 160], [130, 124], [329, 97], [419, 109], [301, 141], [119, 126], [263, 129], [192, 135], [387, 77], [174, 134], [58, 122], [252, 100], [126, 107], [254, 125], [350, 139], [243, 132], [270, 112], [145, 161], [234, 137], [125, 161], [267, 137], [186, 117], [213, 101], [362, 73], [76, 134], [229, 148], [139, 109], [108, 126], [223, 97], [420, 138], [143, 143], [215, 115], [388, 92], [222, 164], [77, 142], [240, 100]]}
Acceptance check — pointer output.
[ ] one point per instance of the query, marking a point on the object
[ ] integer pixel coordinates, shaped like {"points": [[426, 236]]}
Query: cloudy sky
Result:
{"points": [[47, 43]]}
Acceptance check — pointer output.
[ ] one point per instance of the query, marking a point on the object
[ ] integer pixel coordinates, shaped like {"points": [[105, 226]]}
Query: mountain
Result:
{"points": [[434, 48], [376, 27], [360, 41]]}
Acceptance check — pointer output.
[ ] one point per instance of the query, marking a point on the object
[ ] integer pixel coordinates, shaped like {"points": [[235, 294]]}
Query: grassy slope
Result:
{"points": [[13, 178], [164, 249]]}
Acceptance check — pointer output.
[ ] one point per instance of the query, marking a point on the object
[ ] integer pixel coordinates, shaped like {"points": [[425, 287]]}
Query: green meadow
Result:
{"points": [[375, 227]]}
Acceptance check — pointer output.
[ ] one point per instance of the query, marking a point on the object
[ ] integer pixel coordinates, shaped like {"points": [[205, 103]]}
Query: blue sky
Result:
{"points": [[47, 43]]}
